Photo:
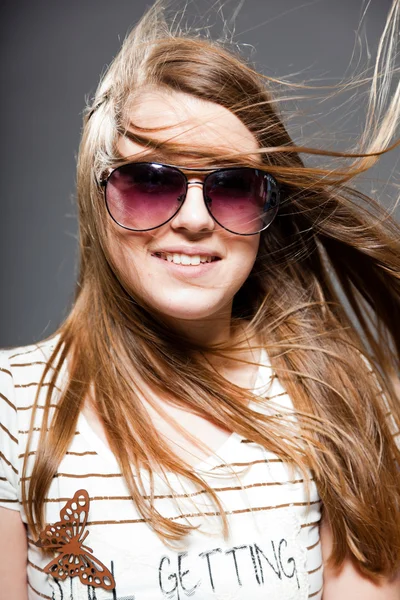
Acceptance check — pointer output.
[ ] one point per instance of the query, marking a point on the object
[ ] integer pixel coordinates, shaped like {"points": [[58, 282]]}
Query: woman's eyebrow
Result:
{"points": [[186, 163]]}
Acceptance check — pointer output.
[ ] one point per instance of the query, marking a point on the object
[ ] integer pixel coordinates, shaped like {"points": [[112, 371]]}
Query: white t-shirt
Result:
{"points": [[273, 550]]}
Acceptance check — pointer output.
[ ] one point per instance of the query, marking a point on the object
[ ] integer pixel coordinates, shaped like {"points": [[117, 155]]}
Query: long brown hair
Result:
{"points": [[323, 298]]}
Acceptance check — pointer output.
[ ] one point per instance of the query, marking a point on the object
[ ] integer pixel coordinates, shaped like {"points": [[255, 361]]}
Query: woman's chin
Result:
{"points": [[189, 310], [205, 314]]}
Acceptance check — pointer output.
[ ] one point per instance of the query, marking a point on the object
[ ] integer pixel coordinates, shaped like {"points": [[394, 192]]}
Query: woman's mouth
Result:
{"points": [[186, 259]]}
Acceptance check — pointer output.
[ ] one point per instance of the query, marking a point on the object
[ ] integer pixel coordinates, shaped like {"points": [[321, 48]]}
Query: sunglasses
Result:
{"points": [[145, 195]]}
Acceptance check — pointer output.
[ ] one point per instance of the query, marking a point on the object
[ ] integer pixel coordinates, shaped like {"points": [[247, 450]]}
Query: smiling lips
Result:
{"points": [[186, 259]]}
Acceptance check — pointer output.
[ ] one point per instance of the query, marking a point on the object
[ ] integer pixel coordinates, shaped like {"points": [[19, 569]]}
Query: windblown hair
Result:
{"points": [[323, 298]]}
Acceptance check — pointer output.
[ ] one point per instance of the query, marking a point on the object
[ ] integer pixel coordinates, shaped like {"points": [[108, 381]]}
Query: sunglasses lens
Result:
{"points": [[242, 200], [141, 196]]}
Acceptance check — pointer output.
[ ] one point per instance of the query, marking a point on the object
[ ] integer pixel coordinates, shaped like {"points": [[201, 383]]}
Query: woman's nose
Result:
{"points": [[194, 215]]}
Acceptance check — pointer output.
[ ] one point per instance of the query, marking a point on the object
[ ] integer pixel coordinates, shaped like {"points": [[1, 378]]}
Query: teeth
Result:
{"points": [[185, 259]]}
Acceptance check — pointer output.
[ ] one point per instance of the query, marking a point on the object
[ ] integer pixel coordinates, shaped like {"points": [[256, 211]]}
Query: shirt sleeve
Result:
{"points": [[9, 447]]}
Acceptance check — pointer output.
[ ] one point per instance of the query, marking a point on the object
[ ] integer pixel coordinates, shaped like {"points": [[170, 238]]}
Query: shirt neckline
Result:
{"points": [[103, 450]]}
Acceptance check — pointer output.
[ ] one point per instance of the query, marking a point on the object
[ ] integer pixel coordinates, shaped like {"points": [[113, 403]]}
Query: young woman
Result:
{"points": [[217, 417]]}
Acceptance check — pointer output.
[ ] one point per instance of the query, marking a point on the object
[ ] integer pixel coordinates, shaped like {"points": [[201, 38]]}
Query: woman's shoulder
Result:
{"points": [[21, 372], [28, 354], [22, 367]]}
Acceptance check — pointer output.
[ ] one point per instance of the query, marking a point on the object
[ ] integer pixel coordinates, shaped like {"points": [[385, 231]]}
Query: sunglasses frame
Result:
{"points": [[105, 176]]}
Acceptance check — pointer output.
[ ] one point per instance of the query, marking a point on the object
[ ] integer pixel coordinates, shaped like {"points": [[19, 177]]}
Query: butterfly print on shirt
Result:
{"points": [[67, 537]]}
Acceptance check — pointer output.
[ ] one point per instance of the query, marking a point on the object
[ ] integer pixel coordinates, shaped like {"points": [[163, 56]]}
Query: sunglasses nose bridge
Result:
{"points": [[197, 184], [193, 213], [189, 183]]}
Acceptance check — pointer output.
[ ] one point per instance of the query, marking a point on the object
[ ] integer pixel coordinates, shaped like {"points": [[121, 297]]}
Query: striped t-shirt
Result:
{"points": [[273, 549]]}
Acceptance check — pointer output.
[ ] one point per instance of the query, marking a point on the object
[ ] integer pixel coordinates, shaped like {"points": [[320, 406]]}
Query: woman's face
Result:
{"points": [[185, 292]]}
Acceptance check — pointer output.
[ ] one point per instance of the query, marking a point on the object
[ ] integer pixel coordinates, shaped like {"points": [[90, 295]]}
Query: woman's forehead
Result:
{"points": [[184, 119], [185, 157]]}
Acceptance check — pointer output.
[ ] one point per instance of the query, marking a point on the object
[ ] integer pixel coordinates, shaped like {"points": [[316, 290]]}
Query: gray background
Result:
{"points": [[52, 53]]}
